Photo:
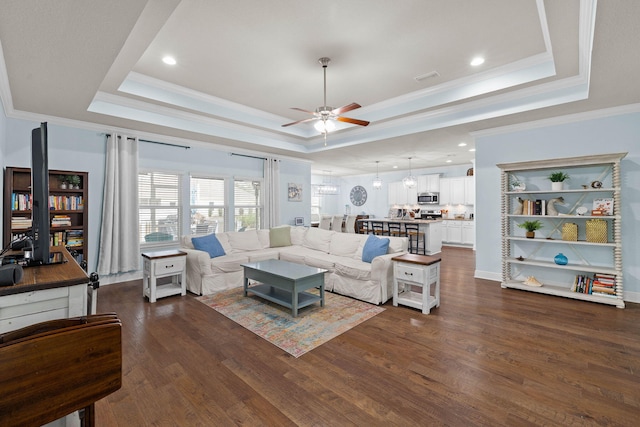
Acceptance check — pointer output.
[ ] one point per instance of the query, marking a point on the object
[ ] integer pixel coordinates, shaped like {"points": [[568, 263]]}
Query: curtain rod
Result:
{"points": [[247, 155], [186, 147]]}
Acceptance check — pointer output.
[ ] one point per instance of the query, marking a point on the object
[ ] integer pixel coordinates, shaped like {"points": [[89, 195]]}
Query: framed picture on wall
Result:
{"points": [[295, 192]]}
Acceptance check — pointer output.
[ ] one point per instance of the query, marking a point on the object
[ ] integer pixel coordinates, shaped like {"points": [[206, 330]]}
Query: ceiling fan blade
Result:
{"points": [[354, 121], [299, 121], [303, 110], [345, 108]]}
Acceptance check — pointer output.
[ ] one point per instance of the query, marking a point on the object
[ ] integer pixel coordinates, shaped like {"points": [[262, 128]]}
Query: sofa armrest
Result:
{"points": [[382, 271], [198, 262]]}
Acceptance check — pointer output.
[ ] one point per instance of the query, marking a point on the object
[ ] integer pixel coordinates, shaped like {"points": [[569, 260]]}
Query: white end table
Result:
{"points": [[159, 264], [412, 270]]}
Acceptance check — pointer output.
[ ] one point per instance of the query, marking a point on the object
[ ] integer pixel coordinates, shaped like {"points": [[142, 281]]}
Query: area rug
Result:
{"points": [[314, 325]]}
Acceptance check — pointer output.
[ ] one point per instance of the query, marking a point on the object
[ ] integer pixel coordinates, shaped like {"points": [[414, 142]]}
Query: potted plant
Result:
{"points": [[531, 227], [557, 180], [64, 181], [74, 181]]}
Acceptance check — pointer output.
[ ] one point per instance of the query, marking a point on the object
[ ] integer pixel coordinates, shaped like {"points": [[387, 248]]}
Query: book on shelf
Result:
{"points": [[74, 238], [600, 284], [20, 202], [66, 203], [537, 207], [60, 221], [20, 222]]}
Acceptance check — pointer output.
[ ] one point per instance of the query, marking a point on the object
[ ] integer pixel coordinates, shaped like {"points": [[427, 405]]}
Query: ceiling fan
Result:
{"points": [[324, 116]]}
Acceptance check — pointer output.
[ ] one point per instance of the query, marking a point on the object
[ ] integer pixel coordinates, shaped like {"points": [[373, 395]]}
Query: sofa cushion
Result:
{"points": [[244, 241], [318, 239], [264, 254], [345, 244], [229, 263], [209, 244], [263, 237], [280, 236], [297, 235], [397, 244], [374, 247], [320, 260], [354, 269], [296, 254]]}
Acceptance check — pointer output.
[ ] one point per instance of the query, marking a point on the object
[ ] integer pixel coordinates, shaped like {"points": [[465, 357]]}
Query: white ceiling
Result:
{"points": [[242, 65]]}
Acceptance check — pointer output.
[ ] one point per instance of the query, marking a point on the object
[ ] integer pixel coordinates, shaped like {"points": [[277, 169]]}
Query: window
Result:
{"points": [[160, 210], [247, 204], [207, 205]]}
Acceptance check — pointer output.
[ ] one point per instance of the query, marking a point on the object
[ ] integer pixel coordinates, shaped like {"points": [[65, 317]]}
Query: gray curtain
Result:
{"points": [[119, 241], [272, 192]]}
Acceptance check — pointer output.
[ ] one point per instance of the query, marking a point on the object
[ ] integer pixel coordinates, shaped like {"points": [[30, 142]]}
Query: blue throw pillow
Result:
{"points": [[374, 247], [209, 244]]}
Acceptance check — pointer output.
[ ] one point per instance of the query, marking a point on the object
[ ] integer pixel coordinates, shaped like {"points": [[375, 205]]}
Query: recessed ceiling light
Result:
{"points": [[169, 60], [449, 161], [478, 60], [462, 144], [395, 166], [472, 149]]}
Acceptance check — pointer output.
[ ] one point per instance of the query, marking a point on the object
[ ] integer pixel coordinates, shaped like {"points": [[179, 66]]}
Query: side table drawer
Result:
{"points": [[170, 266], [410, 273]]}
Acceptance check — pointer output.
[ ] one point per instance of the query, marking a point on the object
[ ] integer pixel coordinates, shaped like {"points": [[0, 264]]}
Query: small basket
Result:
{"points": [[596, 231], [570, 231]]}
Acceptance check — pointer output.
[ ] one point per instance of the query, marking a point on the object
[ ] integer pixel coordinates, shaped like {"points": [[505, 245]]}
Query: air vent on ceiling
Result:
{"points": [[428, 75]]}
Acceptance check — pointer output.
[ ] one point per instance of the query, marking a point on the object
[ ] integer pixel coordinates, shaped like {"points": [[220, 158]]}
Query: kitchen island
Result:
{"points": [[432, 229]]}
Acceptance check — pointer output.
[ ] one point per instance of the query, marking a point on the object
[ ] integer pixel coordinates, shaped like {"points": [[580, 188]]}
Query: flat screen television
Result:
{"points": [[40, 195]]}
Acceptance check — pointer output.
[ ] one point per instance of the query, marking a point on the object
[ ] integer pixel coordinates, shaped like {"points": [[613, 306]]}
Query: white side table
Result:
{"points": [[159, 264], [411, 271]]}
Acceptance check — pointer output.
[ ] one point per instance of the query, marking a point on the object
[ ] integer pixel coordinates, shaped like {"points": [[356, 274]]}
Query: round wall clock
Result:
{"points": [[358, 195]]}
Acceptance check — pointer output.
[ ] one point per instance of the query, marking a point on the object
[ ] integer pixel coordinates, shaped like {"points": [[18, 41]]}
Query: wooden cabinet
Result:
{"points": [[429, 183], [592, 269], [67, 209], [399, 195]]}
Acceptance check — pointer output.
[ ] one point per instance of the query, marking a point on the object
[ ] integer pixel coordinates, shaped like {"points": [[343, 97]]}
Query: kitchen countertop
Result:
{"points": [[416, 221]]}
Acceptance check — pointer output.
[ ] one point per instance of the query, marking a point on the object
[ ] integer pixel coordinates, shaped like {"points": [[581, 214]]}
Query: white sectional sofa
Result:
{"points": [[339, 253]]}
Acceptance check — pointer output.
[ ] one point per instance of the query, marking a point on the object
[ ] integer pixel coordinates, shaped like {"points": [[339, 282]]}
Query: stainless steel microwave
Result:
{"points": [[428, 198]]}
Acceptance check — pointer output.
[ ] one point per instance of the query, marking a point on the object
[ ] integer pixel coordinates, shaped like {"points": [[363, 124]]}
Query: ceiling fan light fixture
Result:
{"points": [[324, 126]]}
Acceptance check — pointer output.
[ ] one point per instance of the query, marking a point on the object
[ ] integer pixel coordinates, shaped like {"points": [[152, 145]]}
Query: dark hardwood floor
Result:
{"points": [[487, 357]]}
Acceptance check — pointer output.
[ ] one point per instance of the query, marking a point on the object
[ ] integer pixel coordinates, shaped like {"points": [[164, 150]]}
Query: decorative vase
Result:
{"points": [[530, 234], [557, 186], [63, 186], [560, 259]]}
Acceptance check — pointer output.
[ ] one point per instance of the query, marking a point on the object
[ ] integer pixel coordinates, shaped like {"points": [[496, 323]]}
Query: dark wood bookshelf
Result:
{"points": [[70, 202]]}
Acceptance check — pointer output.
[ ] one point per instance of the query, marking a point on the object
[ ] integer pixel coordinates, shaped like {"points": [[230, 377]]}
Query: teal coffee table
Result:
{"points": [[285, 283]]}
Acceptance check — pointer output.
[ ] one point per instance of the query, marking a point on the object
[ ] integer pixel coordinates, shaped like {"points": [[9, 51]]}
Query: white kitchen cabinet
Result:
{"points": [[399, 195], [457, 191], [468, 232], [452, 231], [452, 191], [429, 183], [469, 190]]}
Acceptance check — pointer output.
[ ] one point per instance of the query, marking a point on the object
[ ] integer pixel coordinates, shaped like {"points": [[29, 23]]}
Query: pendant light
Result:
{"points": [[377, 183], [409, 181]]}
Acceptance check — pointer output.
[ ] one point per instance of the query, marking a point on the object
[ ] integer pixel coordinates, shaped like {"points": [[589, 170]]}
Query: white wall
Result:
{"points": [[615, 134]]}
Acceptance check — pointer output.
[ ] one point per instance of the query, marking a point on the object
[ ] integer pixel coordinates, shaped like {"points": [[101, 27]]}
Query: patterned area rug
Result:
{"points": [[314, 325]]}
